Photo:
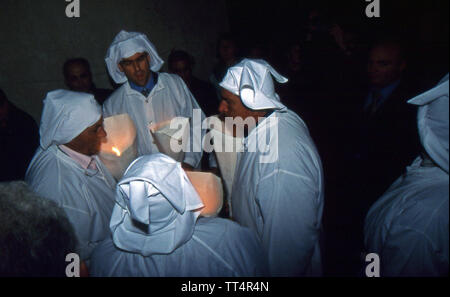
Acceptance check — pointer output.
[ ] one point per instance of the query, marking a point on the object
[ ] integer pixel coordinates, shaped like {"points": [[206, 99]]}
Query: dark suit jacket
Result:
{"points": [[387, 141], [206, 97]]}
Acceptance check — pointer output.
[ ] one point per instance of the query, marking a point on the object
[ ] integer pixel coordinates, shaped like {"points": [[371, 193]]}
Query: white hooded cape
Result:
{"points": [[408, 226], [156, 232]]}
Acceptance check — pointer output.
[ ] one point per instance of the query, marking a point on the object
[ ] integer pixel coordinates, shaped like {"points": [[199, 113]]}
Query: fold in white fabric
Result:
{"points": [[432, 120], [251, 79], [125, 45], [65, 115], [156, 193]]}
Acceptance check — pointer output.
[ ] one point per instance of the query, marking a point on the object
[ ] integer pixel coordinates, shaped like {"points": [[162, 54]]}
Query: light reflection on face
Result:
{"points": [[136, 68]]}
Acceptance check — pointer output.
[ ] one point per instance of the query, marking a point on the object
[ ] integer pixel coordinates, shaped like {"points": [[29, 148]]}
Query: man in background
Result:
{"points": [[181, 63], [388, 134], [78, 78]]}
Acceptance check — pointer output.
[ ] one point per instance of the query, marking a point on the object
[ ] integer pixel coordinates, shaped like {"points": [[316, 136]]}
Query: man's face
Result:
{"points": [[181, 68], [227, 50], [90, 140], [231, 106], [136, 68], [385, 66], [79, 78], [314, 20]]}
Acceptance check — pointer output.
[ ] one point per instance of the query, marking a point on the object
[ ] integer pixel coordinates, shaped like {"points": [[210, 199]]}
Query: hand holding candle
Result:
{"points": [[119, 150]]}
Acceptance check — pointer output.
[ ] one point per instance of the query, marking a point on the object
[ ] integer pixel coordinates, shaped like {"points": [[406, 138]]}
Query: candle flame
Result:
{"points": [[116, 150]]}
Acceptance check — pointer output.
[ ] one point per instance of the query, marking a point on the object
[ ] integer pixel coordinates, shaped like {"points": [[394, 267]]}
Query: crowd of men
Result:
{"points": [[149, 222]]}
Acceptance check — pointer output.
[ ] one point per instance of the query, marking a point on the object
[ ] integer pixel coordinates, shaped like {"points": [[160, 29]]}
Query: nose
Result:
{"points": [[136, 65], [223, 107], [102, 133]]}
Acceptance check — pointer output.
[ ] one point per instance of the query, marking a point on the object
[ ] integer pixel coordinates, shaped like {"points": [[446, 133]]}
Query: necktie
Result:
{"points": [[376, 97], [145, 92]]}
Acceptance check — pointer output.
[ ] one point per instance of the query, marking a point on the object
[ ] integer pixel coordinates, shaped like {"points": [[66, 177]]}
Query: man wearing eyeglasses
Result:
{"points": [[67, 170], [148, 96]]}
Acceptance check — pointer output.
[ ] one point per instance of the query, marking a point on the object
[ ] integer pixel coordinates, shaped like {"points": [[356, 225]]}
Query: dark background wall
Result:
{"points": [[421, 23], [36, 38], [278, 21]]}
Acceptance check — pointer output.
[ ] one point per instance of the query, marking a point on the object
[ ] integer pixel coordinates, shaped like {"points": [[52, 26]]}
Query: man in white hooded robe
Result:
{"points": [[66, 169], [407, 227], [278, 187], [148, 96], [156, 230]]}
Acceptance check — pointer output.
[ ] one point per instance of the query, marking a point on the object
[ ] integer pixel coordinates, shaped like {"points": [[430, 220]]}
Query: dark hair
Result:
{"points": [[227, 36], [35, 234], [72, 61], [180, 55]]}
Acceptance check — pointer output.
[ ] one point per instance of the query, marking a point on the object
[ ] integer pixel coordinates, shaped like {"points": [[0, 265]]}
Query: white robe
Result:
{"points": [[169, 98], [282, 201], [408, 226], [87, 196], [217, 248]]}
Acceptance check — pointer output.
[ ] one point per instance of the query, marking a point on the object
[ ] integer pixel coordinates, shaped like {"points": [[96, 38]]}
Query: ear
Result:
{"points": [[148, 58], [120, 67]]}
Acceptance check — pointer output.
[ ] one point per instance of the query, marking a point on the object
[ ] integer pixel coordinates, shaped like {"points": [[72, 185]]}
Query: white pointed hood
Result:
{"points": [[156, 207], [65, 115], [251, 79], [432, 120], [125, 45]]}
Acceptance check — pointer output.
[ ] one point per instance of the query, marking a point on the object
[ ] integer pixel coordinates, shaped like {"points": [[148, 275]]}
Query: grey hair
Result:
{"points": [[35, 233]]}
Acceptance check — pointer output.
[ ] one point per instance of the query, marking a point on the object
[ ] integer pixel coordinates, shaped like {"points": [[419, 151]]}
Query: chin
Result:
{"points": [[94, 152], [140, 82]]}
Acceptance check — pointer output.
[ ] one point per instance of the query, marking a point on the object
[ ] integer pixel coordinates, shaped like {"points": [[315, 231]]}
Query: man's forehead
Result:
{"points": [[226, 93], [77, 69], [96, 124], [180, 64], [230, 96], [391, 52], [134, 56]]}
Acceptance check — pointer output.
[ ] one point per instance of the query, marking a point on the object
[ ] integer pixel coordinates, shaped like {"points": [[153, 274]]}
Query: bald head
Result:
{"points": [[386, 64], [77, 75]]}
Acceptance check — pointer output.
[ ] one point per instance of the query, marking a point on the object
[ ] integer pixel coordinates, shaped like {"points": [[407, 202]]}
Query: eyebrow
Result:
{"points": [[130, 60], [97, 124]]}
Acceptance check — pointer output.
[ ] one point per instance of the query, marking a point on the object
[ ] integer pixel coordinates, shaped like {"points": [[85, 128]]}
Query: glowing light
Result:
{"points": [[116, 150]]}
